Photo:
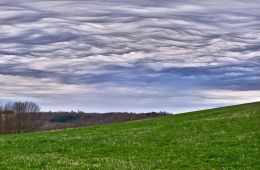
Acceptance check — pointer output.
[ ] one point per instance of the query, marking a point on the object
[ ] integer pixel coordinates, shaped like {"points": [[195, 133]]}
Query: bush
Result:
{"points": [[64, 118]]}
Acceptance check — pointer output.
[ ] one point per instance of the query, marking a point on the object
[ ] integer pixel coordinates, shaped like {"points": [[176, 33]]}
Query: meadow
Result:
{"points": [[221, 138]]}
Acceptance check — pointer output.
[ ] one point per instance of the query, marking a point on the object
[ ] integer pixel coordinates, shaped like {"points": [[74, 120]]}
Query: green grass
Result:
{"points": [[224, 138]]}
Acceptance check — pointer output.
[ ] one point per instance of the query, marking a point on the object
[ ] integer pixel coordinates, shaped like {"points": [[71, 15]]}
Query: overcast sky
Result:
{"points": [[130, 55]]}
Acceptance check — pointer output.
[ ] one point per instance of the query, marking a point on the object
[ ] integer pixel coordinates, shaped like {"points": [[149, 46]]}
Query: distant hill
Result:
{"points": [[222, 138]]}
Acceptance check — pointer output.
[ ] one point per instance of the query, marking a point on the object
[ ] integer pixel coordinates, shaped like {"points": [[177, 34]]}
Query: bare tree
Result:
{"points": [[32, 107], [8, 106], [24, 112], [25, 107], [19, 116]]}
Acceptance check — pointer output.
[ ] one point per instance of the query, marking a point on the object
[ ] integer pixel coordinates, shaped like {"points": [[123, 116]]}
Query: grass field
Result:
{"points": [[224, 138]]}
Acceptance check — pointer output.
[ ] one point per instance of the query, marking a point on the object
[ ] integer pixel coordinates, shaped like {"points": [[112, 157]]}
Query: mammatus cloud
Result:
{"points": [[130, 55]]}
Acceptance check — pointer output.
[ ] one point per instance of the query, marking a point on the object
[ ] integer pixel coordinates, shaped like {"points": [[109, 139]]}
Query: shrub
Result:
{"points": [[64, 118]]}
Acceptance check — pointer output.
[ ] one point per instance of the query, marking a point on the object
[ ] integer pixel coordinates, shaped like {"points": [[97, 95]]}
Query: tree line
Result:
{"points": [[17, 117]]}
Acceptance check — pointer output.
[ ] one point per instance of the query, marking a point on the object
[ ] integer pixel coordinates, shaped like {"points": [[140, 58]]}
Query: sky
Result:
{"points": [[130, 55]]}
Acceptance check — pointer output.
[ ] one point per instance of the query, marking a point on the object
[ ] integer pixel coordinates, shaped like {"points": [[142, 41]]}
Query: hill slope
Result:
{"points": [[223, 138]]}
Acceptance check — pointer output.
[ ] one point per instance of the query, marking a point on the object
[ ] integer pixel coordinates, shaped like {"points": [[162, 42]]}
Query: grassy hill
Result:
{"points": [[223, 138]]}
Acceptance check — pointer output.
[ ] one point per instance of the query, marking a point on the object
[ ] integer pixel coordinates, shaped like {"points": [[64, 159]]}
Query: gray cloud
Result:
{"points": [[151, 45]]}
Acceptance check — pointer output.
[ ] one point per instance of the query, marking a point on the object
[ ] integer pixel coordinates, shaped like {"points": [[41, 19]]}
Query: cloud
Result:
{"points": [[122, 48], [231, 97]]}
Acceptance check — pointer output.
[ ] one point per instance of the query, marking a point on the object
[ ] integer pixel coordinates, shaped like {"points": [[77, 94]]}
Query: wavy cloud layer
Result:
{"points": [[130, 55]]}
